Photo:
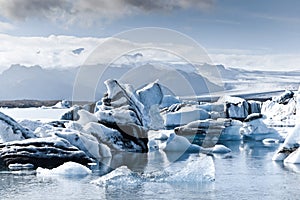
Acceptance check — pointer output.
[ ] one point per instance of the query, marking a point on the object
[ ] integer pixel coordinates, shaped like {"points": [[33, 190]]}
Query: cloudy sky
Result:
{"points": [[256, 34]]}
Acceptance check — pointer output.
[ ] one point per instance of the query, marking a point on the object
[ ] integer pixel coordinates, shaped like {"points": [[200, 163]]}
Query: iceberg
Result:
{"points": [[289, 151], [46, 152], [212, 130], [132, 113], [68, 169], [280, 108]]}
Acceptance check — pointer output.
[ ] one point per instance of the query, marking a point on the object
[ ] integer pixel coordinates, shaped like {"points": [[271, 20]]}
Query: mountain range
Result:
{"points": [[34, 82]]}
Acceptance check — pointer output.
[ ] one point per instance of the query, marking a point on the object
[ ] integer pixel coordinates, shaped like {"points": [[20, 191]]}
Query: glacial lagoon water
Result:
{"points": [[246, 173]]}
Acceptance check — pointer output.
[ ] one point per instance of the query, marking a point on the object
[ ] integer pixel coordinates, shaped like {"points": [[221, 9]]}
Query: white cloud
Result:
{"points": [[52, 51], [256, 60], [56, 51]]}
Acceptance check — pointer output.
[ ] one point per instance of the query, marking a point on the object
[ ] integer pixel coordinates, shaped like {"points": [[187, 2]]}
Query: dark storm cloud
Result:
{"points": [[170, 4], [22, 9], [72, 10]]}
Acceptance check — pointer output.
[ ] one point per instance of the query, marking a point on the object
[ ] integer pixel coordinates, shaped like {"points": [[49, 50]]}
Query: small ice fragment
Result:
{"points": [[19, 166], [268, 141]]}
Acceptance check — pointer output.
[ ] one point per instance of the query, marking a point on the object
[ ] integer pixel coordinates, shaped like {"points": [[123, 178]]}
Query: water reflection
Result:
{"points": [[247, 172], [257, 148]]}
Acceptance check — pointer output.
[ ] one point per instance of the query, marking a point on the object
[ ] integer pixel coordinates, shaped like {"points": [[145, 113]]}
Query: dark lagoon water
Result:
{"points": [[246, 173]]}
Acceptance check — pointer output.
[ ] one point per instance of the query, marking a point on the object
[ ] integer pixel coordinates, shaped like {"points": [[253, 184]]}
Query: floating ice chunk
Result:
{"points": [[218, 148], [19, 166], [119, 176], [269, 141], [196, 169], [69, 169]]}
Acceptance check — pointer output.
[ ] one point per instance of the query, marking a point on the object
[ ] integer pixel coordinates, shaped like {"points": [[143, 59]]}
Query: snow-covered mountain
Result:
{"points": [[20, 82], [35, 82]]}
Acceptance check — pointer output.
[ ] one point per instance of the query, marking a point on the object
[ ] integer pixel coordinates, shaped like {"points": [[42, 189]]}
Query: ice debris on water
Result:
{"points": [[197, 169]]}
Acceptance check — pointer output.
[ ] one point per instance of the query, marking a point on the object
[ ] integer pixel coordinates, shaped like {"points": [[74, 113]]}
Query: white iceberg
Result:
{"points": [[69, 169], [280, 108], [289, 151]]}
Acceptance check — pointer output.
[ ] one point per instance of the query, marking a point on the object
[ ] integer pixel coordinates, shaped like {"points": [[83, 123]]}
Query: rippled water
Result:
{"points": [[246, 173]]}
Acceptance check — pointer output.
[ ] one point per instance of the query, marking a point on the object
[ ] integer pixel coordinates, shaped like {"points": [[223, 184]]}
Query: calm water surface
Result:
{"points": [[246, 173]]}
